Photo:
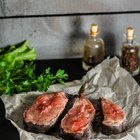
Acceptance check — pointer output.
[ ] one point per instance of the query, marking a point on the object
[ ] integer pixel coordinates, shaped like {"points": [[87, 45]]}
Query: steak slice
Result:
{"points": [[77, 123], [114, 121], [44, 112]]}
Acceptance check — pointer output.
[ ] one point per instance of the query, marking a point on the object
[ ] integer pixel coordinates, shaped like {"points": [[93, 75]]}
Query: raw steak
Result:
{"points": [[114, 117], [44, 112], [77, 122]]}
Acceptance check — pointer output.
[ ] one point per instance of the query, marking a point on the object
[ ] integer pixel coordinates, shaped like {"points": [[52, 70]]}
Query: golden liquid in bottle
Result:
{"points": [[93, 49], [93, 52]]}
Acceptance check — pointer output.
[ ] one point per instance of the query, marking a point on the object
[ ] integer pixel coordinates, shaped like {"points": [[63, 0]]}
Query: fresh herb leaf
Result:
{"points": [[17, 71]]}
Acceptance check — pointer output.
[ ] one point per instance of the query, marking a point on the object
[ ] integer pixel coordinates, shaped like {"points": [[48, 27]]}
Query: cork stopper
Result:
{"points": [[130, 33], [94, 30]]}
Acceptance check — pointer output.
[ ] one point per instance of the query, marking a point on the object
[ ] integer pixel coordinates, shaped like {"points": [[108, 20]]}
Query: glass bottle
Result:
{"points": [[129, 53], [94, 51]]}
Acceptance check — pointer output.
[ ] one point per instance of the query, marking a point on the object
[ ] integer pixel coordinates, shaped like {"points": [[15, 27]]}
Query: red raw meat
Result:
{"points": [[44, 112], [77, 122], [114, 117]]}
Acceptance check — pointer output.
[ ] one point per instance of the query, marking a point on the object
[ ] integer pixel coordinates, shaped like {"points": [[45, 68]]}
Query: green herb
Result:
{"points": [[17, 71]]}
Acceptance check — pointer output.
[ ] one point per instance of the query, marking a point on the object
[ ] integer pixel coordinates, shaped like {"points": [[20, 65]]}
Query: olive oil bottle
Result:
{"points": [[94, 50]]}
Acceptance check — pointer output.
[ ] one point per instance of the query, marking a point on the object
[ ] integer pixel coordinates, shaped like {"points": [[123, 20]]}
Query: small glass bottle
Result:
{"points": [[129, 53], [94, 50]]}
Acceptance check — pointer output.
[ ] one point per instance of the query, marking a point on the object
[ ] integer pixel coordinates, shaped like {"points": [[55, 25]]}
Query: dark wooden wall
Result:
{"points": [[58, 28]]}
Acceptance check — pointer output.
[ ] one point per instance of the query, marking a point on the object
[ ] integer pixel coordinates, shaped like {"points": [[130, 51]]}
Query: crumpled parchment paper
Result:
{"points": [[107, 80]]}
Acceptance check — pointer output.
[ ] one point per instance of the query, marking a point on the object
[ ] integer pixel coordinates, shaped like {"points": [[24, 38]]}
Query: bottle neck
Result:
{"points": [[129, 41], [94, 37]]}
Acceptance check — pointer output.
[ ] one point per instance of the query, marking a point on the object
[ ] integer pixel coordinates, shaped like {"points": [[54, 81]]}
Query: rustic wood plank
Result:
{"points": [[63, 37], [47, 7]]}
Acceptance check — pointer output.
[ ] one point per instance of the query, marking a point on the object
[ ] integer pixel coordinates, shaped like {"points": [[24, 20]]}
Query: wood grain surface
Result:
{"points": [[59, 28], [50, 7]]}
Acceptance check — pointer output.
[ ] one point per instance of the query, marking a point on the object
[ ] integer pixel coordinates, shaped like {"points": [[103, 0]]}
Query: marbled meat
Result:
{"points": [[77, 122], [114, 121], [44, 112]]}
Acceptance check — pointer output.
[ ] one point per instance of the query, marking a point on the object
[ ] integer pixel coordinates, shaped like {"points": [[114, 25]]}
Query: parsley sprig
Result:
{"points": [[17, 71]]}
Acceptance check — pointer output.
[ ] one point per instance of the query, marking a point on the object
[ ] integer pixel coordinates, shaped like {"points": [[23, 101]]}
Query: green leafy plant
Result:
{"points": [[17, 71]]}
